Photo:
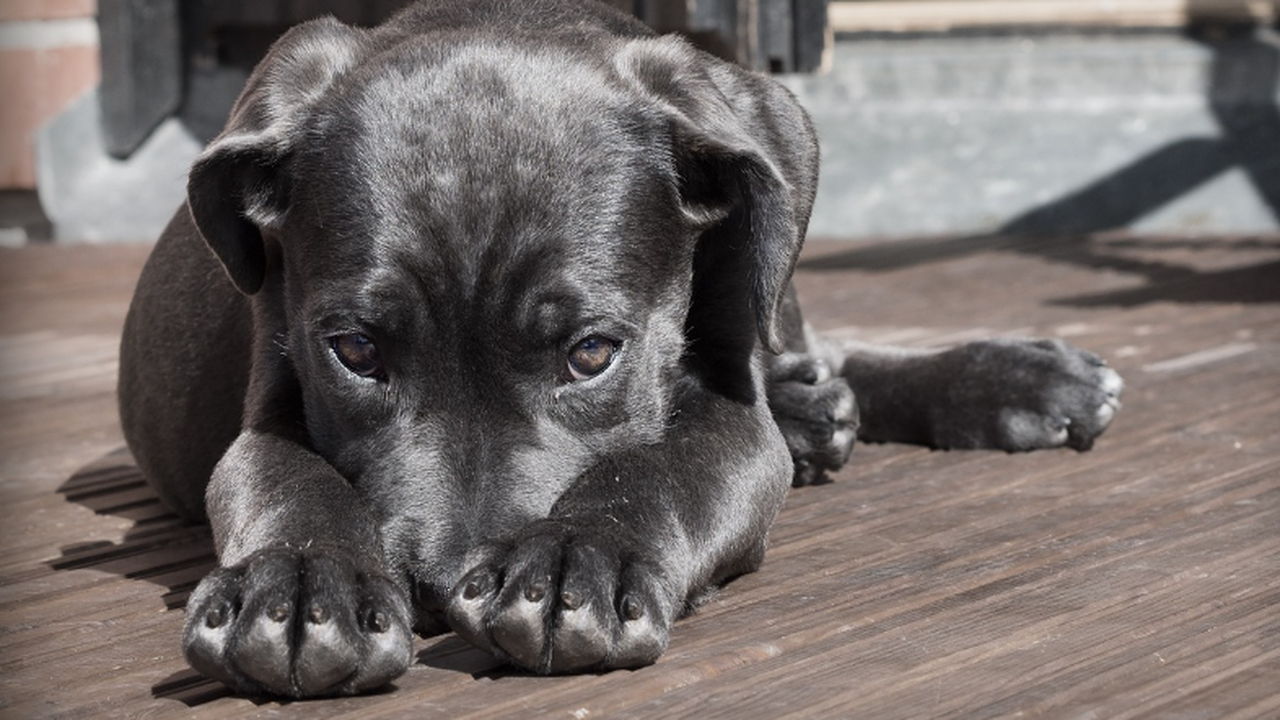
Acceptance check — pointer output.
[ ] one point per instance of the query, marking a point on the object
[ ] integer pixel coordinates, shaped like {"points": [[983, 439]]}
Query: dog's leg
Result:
{"points": [[301, 605], [629, 546], [812, 405], [1012, 394]]}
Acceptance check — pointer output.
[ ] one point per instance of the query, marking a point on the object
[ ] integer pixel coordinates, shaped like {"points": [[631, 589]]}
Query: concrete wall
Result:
{"points": [[1150, 132]]}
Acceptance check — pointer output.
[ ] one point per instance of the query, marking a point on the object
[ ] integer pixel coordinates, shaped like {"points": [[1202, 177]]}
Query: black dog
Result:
{"points": [[488, 340]]}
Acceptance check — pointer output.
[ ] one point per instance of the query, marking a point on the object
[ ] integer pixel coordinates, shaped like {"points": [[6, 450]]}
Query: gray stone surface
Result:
{"points": [[962, 135], [92, 197]]}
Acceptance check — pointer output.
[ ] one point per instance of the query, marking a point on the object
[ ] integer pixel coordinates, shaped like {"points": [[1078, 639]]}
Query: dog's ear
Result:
{"points": [[746, 157], [240, 185]]}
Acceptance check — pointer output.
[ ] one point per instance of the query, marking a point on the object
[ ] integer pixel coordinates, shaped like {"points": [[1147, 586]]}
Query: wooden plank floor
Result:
{"points": [[1141, 579]]}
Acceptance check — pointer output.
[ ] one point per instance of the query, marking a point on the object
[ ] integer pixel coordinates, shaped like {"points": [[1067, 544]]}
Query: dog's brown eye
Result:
{"points": [[357, 353], [590, 357]]}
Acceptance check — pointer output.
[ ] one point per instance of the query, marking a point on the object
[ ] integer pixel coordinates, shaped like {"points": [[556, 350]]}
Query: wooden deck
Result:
{"points": [[1141, 579]]}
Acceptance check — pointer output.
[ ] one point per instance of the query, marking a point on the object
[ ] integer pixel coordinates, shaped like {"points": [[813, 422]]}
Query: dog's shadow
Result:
{"points": [[159, 547]]}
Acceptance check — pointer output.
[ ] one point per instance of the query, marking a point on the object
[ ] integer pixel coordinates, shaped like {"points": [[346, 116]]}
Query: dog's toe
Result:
{"points": [[1110, 384]]}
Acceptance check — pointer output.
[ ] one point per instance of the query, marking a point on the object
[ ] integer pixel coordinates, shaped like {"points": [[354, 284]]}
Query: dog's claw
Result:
{"points": [[632, 610], [378, 622], [534, 593], [214, 618]]}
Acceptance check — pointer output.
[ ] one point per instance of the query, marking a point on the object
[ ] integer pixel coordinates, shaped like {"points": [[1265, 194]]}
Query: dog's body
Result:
{"points": [[483, 344]]}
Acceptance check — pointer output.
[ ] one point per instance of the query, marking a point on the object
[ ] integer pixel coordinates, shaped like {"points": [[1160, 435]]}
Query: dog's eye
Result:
{"points": [[358, 354], [591, 356]]}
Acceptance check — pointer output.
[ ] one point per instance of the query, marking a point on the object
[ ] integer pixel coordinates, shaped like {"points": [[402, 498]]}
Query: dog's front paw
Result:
{"points": [[560, 601], [816, 413], [1023, 394], [300, 624]]}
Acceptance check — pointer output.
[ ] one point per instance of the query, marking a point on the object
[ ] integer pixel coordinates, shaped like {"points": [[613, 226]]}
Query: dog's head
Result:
{"points": [[490, 262]]}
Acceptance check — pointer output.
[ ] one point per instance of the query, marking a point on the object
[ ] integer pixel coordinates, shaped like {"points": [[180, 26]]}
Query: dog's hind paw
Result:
{"points": [[816, 412], [298, 624], [1024, 394], [560, 601]]}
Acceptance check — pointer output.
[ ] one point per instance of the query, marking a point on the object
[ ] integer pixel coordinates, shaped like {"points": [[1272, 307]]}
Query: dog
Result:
{"points": [[481, 320]]}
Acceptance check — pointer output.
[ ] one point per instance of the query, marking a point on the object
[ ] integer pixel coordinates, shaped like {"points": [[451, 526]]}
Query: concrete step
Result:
{"points": [[1150, 132]]}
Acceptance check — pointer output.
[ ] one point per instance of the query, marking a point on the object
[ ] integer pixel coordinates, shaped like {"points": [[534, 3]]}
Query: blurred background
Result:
{"points": [[936, 117]]}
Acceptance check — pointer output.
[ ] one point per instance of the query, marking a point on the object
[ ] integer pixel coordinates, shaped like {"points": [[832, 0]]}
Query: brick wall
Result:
{"points": [[48, 57]]}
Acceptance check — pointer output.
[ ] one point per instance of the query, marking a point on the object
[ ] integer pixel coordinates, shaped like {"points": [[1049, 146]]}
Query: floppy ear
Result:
{"points": [[747, 160], [240, 184]]}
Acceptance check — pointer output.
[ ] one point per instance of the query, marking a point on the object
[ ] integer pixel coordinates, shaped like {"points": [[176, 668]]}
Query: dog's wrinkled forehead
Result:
{"points": [[483, 154]]}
